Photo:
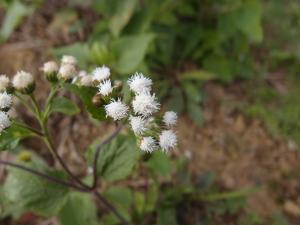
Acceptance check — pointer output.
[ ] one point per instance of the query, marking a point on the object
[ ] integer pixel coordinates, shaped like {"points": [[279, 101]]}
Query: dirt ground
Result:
{"points": [[239, 149]]}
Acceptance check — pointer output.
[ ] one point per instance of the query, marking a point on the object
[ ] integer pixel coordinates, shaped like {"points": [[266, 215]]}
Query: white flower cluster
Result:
{"points": [[5, 102], [152, 132]]}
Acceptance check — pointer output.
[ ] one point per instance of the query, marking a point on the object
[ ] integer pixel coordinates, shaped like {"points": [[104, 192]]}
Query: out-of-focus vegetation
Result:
{"points": [[183, 44]]}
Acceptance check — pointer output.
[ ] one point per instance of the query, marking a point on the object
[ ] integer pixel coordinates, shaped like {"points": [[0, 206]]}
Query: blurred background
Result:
{"points": [[230, 68]]}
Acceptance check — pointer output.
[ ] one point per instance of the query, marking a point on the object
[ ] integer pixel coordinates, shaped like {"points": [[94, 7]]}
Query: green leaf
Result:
{"points": [[130, 51], [15, 13], [195, 112], [79, 50], [64, 105], [116, 159], [86, 94], [121, 16], [167, 216], [10, 138], [120, 196], [199, 75], [34, 193], [249, 20], [160, 164], [79, 209], [176, 102]]}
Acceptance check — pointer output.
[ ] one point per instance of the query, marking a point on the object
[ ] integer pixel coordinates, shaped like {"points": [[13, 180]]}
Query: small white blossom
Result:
{"points": [[67, 71], [22, 80], [116, 109], [148, 144], [105, 87], [50, 67], [4, 82], [138, 124], [101, 73], [167, 140], [82, 73], [86, 80], [4, 121], [145, 104], [138, 83], [170, 118], [5, 100], [69, 60]]}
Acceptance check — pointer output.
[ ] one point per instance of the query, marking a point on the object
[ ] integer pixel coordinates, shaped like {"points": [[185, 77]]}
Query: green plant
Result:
{"points": [[183, 43]]}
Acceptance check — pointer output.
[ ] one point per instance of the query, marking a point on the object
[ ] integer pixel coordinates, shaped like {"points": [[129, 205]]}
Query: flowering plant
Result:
{"points": [[109, 159]]}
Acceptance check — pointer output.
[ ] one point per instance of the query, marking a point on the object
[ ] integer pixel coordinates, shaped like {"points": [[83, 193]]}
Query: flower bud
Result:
{"points": [[50, 69], [67, 72], [97, 100], [5, 101], [118, 85], [24, 82], [4, 121], [24, 156]]}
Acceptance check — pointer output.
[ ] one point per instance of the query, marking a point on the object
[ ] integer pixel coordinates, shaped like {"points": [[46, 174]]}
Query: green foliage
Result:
{"points": [[64, 105], [117, 159], [34, 193], [86, 94], [10, 138], [79, 209], [160, 164], [16, 11]]}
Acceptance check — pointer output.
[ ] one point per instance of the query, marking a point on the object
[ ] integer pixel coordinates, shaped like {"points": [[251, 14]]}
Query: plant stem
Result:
{"points": [[50, 146], [110, 207], [52, 94], [22, 100], [42, 175], [33, 130], [105, 142]]}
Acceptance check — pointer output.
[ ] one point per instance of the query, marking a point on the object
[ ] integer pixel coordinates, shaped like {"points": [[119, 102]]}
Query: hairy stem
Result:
{"points": [[42, 175], [105, 142]]}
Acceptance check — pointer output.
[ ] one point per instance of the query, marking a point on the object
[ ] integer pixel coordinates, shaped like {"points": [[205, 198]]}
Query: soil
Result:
{"points": [[239, 149]]}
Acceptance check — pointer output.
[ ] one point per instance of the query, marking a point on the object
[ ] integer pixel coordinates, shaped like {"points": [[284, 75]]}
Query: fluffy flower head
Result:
{"points": [[167, 140], [5, 100], [101, 73], [148, 144], [4, 82], [4, 121], [105, 88], [145, 104], [86, 80], [116, 109], [67, 71], [138, 124], [69, 60], [50, 67], [138, 83], [170, 118], [22, 80]]}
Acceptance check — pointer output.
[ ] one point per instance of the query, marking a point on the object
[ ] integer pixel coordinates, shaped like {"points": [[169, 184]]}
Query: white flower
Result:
{"points": [[148, 144], [116, 109], [167, 140], [50, 67], [67, 71], [170, 118], [138, 83], [86, 80], [4, 121], [138, 124], [69, 60], [22, 80], [105, 87], [101, 73], [145, 104], [4, 82], [5, 100], [82, 73]]}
